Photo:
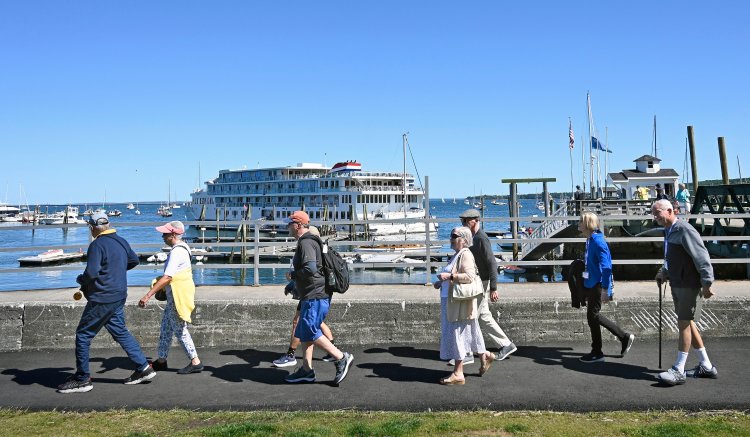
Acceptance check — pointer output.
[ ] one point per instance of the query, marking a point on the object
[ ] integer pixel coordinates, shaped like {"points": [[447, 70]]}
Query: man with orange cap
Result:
{"points": [[314, 301]]}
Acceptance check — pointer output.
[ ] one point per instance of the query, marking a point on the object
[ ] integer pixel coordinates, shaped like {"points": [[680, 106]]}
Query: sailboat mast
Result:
{"points": [[591, 156], [404, 146], [655, 151]]}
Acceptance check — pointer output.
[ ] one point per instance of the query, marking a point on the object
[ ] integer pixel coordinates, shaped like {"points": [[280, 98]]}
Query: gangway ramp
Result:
{"points": [[534, 249]]}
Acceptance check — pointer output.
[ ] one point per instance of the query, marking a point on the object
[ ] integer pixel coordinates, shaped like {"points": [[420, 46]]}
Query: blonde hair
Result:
{"points": [[590, 221]]}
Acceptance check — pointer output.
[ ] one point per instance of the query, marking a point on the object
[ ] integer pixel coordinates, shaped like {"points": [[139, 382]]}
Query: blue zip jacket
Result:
{"points": [[108, 259], [598, 263]]}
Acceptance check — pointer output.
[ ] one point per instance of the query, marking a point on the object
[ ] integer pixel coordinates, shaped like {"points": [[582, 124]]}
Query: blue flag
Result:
{"points": [[597, 145]]}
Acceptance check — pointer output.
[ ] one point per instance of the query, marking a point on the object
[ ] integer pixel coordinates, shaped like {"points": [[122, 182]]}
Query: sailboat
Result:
{"points": [[165, 210], [137, 211]]}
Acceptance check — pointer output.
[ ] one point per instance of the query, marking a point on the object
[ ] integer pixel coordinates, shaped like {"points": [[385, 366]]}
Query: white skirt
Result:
{"points": [[458, 339]]}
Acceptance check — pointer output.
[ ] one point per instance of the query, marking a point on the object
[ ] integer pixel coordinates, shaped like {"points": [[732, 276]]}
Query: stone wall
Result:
{"points": [[268, 323]]}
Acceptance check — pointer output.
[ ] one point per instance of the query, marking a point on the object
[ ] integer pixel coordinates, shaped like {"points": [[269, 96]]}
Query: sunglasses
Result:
{"points": [[454, 236]]}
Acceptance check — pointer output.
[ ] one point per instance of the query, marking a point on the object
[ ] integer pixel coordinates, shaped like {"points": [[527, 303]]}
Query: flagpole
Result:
{"points": [[583, 164]]}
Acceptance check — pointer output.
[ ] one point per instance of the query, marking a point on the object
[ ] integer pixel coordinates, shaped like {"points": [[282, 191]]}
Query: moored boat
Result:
{"points": [[51, 256]]}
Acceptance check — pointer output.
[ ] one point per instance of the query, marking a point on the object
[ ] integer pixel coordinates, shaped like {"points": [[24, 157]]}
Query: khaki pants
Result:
{"points": [[494, 336]]}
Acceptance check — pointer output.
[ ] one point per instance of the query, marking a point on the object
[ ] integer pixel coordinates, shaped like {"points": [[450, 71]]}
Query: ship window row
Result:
{"points": [[384, 198]]}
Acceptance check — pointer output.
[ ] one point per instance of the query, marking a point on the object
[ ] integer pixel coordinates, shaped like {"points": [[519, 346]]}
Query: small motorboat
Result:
{"points": [[52, 256]]}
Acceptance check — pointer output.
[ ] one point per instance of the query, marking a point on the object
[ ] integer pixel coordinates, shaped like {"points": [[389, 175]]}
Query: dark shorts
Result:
{"points": [[687, 305], [311, 315]]}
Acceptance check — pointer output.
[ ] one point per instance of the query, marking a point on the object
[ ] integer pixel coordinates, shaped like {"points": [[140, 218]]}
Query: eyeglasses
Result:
{"points": [[454, 236]]}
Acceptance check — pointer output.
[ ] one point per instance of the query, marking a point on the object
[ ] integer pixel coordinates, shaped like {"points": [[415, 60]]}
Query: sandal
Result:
{"points": [[452, 380], [486, 364]]}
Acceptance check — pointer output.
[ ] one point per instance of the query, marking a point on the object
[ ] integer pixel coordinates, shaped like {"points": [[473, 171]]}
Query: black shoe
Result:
{"points": [[593, 357], [190, 368], [73, 385], [140, 376], [627, 342], [159, 366], [342, 367]]}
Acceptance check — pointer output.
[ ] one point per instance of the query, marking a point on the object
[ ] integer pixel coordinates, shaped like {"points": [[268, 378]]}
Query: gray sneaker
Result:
{"points": [[505, 352], [301, 375], [672, 377], [342, 367], [469, 359], [701, 372], [286, 360]]}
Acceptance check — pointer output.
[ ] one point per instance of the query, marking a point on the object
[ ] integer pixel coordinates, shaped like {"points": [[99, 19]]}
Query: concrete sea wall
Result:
{"points": [[529, 313]]}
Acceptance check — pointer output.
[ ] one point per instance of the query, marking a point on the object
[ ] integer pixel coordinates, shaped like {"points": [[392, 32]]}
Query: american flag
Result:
{"points": [[570, 135]]}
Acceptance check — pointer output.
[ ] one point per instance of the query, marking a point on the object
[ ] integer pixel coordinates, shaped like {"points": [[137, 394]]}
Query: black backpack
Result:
{"points": [[335, 269]]}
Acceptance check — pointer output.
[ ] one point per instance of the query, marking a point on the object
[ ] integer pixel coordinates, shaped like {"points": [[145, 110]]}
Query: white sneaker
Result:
{"points": [[468, 360]]}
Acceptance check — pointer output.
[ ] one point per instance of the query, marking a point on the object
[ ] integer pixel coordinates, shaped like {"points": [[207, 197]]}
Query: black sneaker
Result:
{"points": [[140, 376], [342, 367], [159, 366], [73, 385], [627, 342], [592, 358], [191, 368], [301, 375]]}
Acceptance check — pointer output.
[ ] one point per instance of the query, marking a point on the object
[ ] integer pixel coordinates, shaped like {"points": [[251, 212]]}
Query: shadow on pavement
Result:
{"points": [[113, 363], [400, 373], [257, 367], [406, 352], [564, 356], [49, 377]]}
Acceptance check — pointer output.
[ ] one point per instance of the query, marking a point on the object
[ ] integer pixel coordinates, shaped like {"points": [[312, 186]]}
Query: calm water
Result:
{"points": [[136, 235]]}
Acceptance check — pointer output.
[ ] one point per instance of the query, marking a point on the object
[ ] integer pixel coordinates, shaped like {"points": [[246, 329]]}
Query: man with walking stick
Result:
{"points": [[687, 267]]}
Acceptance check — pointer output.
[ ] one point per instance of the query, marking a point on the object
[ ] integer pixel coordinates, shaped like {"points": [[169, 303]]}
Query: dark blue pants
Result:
{"points": [[112, 317]]}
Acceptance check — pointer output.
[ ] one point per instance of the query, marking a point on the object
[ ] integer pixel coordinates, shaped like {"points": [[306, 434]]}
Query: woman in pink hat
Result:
{"points": [[180, 291]]}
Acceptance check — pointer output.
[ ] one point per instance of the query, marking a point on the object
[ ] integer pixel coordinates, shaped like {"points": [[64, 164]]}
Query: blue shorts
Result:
{"points": [[311, 315]]}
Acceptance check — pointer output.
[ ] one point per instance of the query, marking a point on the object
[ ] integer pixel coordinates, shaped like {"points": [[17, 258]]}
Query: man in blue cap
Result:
{"points": [[105, 285]]}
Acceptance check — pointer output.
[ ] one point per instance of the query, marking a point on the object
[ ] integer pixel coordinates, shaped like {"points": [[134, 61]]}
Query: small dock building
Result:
{"points": [[647, 173]]}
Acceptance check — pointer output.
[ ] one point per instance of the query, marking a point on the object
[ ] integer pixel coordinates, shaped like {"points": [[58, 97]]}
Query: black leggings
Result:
{"points": [[597, 320]]}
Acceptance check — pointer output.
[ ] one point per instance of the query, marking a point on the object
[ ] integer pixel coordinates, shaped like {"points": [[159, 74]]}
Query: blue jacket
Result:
{"points": [[108, 259], [598, 263]]}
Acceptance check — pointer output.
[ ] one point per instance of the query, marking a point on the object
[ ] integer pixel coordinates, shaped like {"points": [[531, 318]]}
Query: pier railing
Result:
{"points": [[250, 248]]}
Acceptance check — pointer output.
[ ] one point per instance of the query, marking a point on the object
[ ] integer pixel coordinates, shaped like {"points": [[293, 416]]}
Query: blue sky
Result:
{"points": [[128, 97]]}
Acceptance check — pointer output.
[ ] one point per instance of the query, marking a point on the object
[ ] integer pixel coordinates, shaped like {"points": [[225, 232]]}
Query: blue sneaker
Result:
{"points": [[701, 372], [286, 360]]}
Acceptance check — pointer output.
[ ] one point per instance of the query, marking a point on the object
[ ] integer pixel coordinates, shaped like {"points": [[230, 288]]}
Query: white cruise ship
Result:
{"points": [[341, 192]]}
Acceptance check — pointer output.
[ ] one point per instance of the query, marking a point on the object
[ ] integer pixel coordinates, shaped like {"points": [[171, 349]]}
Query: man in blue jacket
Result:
{"points": [[105, 285], [687, 267]]}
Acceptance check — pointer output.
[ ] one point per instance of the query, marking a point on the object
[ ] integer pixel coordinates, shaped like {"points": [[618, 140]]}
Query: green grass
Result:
{"points": [[143, 423]]}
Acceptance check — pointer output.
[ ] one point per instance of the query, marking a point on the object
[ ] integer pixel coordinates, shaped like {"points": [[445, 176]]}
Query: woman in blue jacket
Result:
{"points": [[597, 283]]}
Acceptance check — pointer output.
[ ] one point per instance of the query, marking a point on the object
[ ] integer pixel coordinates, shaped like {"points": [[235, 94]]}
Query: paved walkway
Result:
{"points": [[393, 377]]}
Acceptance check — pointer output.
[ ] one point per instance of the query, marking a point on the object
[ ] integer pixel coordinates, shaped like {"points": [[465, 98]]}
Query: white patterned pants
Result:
{"points": [[172, 325]]}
